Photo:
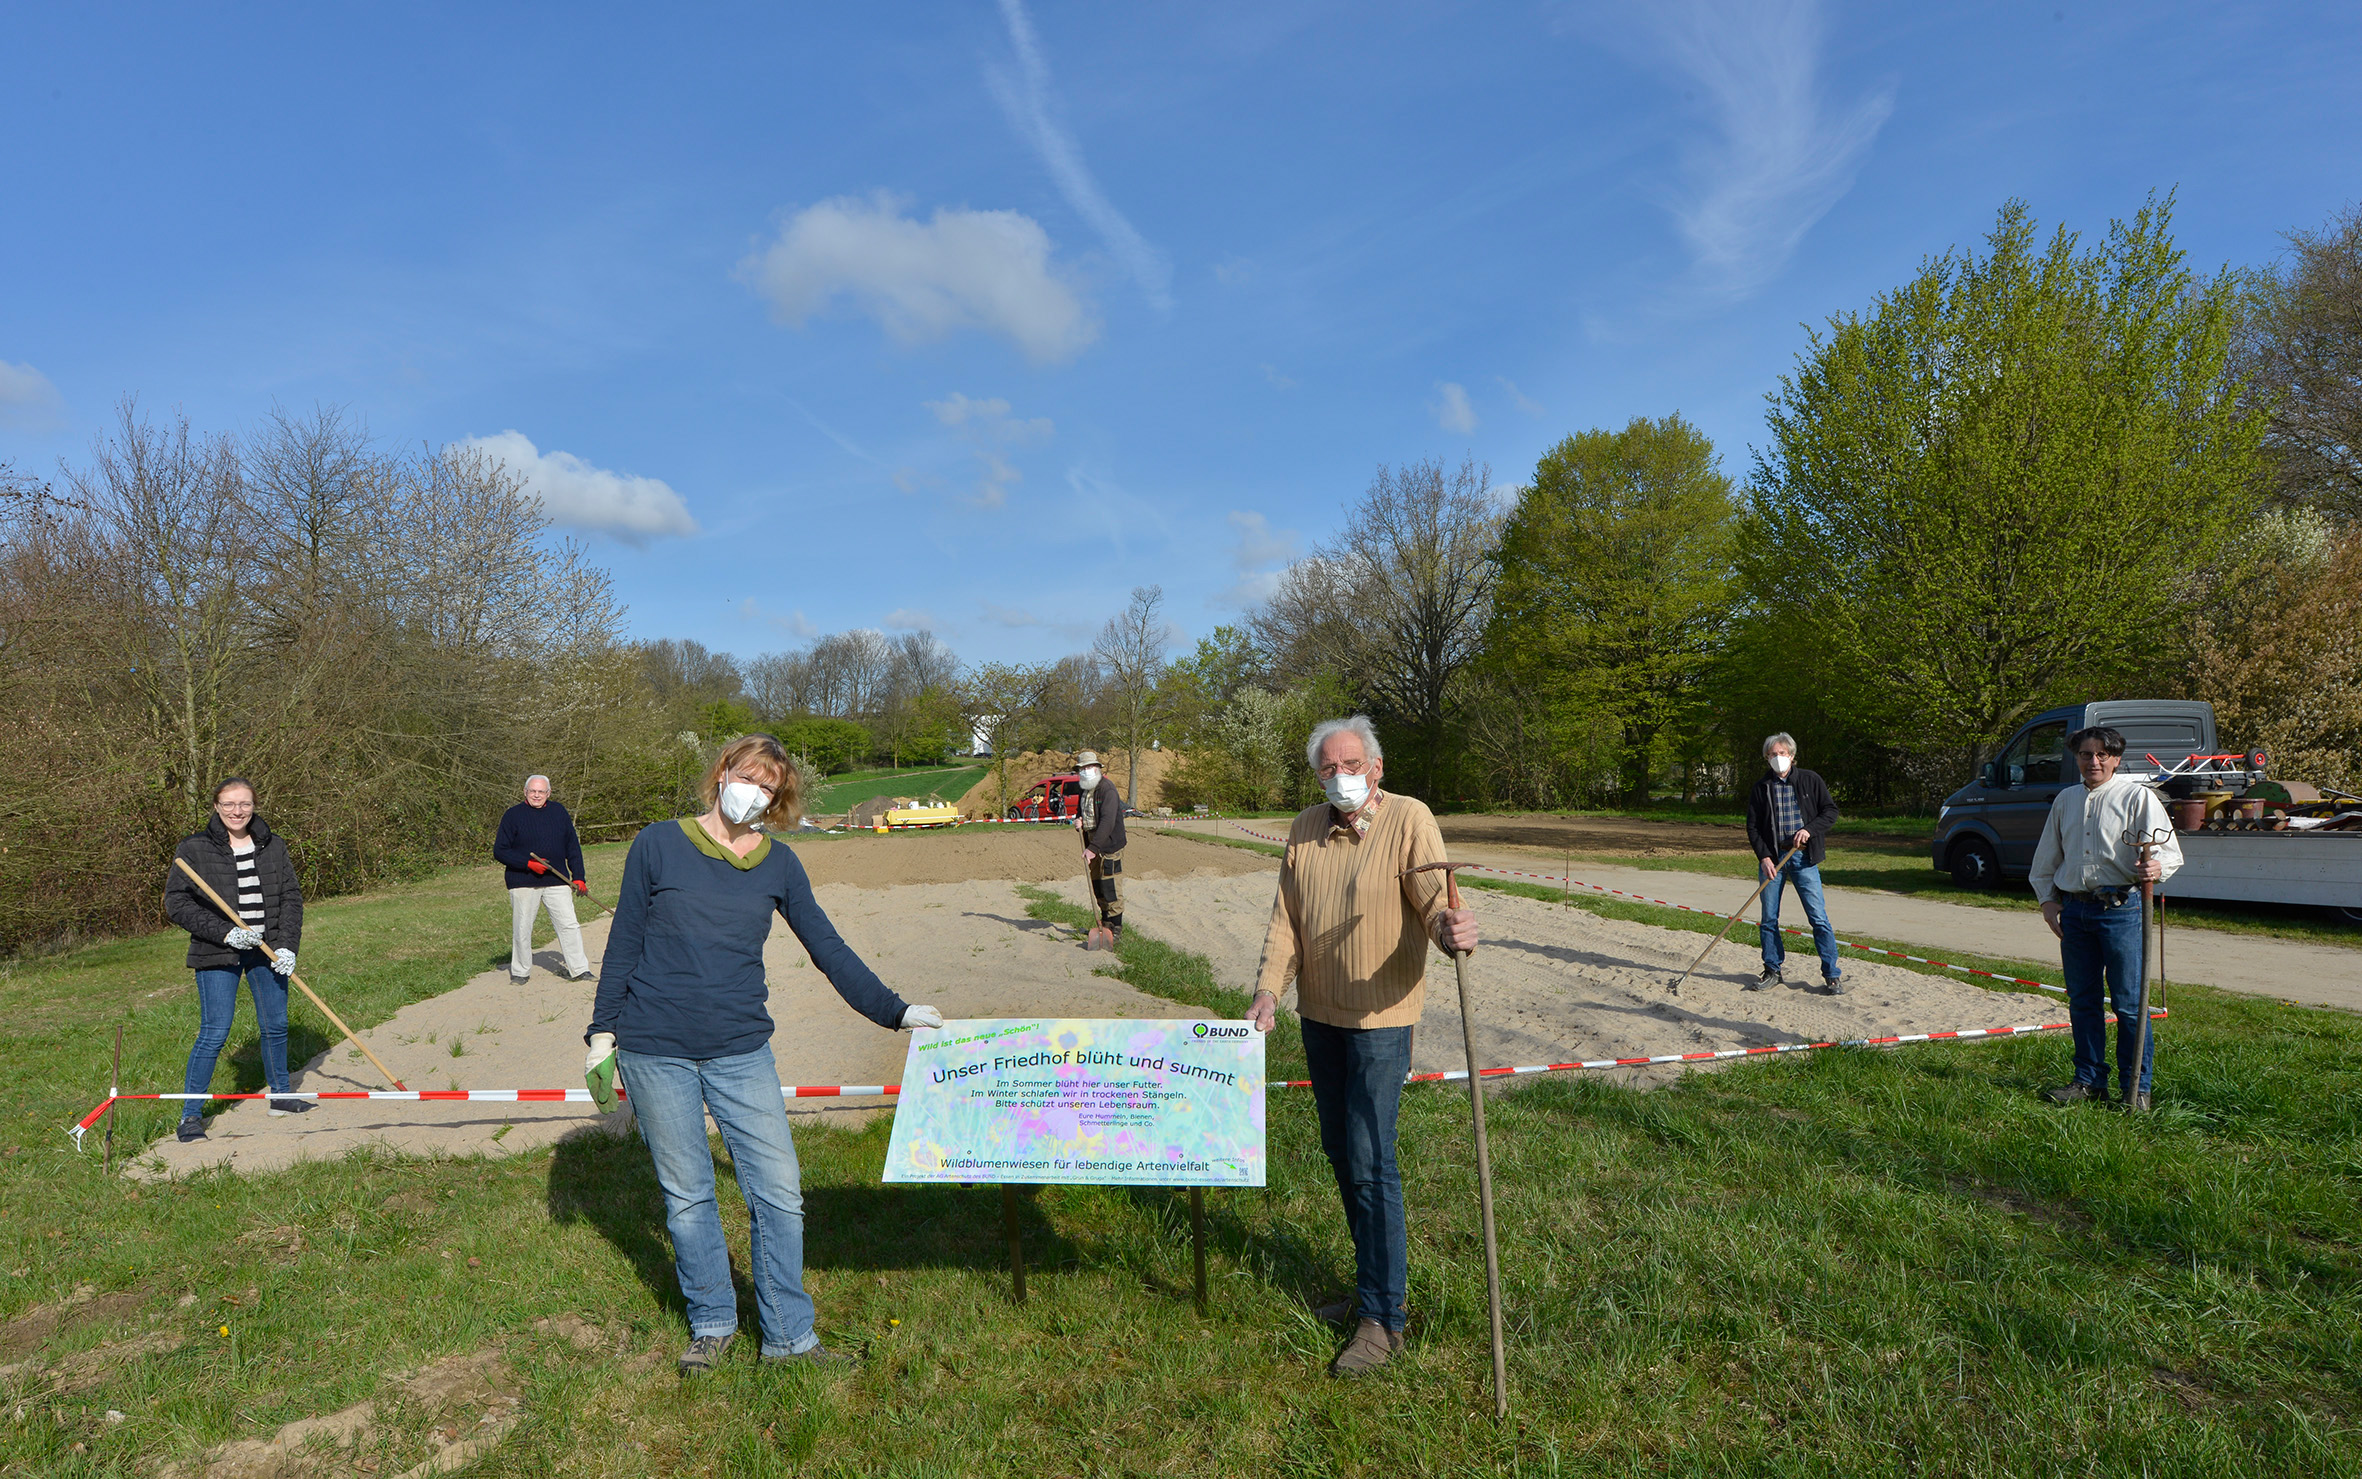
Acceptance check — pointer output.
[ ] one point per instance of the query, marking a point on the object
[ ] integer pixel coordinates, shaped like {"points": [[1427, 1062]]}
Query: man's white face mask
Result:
{"points": [[743, 801], [1347, 792], [1090, 775], [1780, 763]]}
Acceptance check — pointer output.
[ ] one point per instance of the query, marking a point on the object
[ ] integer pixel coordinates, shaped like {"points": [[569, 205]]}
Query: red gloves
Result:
{"points": [[537, 866], [582, 886]]}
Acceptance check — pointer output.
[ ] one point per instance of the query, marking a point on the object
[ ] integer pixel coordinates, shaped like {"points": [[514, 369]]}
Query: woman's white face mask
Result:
{"points": [[742, 801]]}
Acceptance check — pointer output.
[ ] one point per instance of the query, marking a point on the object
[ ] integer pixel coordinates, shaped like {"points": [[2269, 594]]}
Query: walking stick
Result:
{"points": [[1484, 1159], [2145, 841], [560, 870], [1675, 987], [223, 906], [114, 1090]]}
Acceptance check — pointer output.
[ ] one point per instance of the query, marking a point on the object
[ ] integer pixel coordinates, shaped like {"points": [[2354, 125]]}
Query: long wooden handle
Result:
{"points": [[1760, 885], [223, 905], [560, 870], [1484, 1187]]}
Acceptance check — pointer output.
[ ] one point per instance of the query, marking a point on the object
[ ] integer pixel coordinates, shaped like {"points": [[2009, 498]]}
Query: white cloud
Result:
{"points": [[989, 431], [1032, 112], [922, 280], [1779, 161], [911, 619], [1518, 397], [1017, 619], [1261, 555], [28, 401], [1278, 381], [577, 495], [794, 623], [1450, 408]]}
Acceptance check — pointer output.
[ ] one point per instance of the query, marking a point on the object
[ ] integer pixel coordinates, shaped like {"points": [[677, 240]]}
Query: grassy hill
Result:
{"points": [[849, 790]]}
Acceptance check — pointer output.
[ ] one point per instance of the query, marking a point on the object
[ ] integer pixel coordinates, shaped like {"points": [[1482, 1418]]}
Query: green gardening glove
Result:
{"points": [[602, 1073]]}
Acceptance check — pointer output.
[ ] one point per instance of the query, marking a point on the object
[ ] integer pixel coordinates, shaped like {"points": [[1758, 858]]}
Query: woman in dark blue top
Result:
{"points": [[679, 1018]]}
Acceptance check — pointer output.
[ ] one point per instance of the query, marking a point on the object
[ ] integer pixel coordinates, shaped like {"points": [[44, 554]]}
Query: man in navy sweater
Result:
{"points": [[534, 834]]}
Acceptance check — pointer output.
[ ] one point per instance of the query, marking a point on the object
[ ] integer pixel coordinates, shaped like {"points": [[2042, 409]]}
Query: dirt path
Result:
{"points": [[2290, 970]]}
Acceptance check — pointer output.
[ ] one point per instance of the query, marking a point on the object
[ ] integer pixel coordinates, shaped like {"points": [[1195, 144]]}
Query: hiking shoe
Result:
{"points": [[584, 975], [1833, 985], [704, 1352], [191, 1128], [290, 1106], [2135, 1099], [1766, 981], [1372, 1346], [2077, 1094], [818, 1355], [516, 980]]}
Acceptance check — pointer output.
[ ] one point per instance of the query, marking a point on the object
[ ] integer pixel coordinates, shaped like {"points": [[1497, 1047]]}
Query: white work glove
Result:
{"points": [[284, 962], [244, 937], [921, 1017], [602, 1047]]}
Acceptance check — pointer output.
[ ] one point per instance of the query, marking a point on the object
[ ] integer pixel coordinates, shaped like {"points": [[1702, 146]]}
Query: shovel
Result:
{"points": [[1484, 1159], [1675, 985]]}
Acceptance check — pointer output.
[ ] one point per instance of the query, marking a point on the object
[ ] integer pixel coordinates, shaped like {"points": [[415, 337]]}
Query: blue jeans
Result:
{"points": [[1357, 1076], [217, 1007], [1807, 879], [670, 1097], [2096, 941]]}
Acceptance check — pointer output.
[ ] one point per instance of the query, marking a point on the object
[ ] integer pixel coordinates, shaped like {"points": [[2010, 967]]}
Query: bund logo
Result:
{"points": [[1203, 1029]]}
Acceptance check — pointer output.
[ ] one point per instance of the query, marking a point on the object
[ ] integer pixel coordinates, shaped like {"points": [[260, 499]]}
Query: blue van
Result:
{"points": [[1987, 829]]}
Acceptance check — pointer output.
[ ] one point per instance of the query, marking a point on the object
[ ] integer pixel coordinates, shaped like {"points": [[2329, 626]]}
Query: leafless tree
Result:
{"points": [[686, 672], [1131, 650], [2304, 350]]}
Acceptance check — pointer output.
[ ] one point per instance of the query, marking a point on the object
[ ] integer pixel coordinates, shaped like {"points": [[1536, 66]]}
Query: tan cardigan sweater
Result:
{"points": [[1346, 926]]}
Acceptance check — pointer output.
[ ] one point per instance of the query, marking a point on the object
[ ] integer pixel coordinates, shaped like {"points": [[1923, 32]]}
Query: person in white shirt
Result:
{"points": [[2087, 873]]}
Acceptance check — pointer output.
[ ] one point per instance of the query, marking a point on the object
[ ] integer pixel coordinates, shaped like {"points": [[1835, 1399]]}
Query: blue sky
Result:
{"points": [[974, 316]]}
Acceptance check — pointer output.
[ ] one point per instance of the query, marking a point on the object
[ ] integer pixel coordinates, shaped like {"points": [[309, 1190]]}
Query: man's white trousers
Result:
{"points": [[525, 904]]}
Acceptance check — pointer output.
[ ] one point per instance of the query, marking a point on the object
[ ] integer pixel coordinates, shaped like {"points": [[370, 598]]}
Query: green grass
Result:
{"points": [[849, 790], [1838, 1263]]}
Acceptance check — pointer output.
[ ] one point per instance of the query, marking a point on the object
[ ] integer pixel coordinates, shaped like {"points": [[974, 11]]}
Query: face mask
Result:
{"points": [[1780, 764], [1347, 792], [742, 802], [1091, 777]]}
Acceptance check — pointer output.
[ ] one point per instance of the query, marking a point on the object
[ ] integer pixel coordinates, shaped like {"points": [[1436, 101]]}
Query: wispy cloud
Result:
{"points": [[1278, 381], [577, 495], [1780, 158], [794, 623], [991, 432], [911, 619], [28, 402], [1018, 619], [1034, 112], [1450, 407], [1260, 554], [922, 280], [1518, 398]]}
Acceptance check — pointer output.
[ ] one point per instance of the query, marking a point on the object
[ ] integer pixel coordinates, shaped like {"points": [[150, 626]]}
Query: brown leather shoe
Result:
{"points": [[1372, 1346]]}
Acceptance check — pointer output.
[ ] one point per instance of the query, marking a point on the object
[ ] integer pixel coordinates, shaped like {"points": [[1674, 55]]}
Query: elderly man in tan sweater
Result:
{"points": [[1352, 932]]}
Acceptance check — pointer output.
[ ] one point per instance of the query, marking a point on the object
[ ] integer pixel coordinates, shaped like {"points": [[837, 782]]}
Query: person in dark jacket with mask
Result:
{"points": [[246, 863], [1792, 808], [1101, 821]]}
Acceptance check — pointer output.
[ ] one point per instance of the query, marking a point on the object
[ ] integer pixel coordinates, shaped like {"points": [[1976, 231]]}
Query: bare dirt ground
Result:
{"points": [[939, 917]]}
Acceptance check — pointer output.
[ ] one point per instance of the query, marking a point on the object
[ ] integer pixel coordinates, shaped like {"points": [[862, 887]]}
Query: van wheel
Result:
{"points": [[1974, 864], [2350, 916]]}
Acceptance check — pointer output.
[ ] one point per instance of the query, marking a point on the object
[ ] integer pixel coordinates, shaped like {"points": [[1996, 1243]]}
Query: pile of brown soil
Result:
{"points": [[984, 799]]}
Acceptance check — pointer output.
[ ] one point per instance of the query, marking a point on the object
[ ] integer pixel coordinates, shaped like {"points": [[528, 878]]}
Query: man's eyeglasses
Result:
{"points": [[1342, 767]]}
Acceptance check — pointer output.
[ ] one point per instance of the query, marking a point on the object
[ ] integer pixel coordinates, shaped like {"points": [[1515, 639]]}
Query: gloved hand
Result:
{"points": [[582, 886], [284, 963], [536, 865], [244, 937], [917, 1016], [602, 1072]]}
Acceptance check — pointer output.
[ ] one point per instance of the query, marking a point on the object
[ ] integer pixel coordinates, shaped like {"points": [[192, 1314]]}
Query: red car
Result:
{"points": [[1058, 799]]}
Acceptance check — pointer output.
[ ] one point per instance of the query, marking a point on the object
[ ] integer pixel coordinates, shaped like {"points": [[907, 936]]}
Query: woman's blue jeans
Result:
{"points": [[2100, 950], [217, 1007], [1357, 1076], [670, 1097]]}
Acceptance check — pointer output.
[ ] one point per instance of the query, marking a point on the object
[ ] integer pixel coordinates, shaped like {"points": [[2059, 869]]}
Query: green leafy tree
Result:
{"points": [[1998, 488], [1616, 583]]}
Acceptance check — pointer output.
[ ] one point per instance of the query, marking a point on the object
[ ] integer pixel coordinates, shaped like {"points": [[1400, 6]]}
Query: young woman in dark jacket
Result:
{"points": [[246, 863], [680, 1018]]}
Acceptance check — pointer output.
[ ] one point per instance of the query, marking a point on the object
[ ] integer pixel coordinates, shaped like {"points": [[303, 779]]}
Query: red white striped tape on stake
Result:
{"points": [[1969, 970]]}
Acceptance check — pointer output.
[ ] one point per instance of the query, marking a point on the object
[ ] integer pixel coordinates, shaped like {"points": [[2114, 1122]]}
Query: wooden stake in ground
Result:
{"points": [[223, 905], [1733, 919], [114, 1089], [1484, 1159]]}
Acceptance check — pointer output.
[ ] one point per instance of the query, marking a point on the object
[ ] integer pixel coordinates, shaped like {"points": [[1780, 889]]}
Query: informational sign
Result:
{"points": [[1095, 1101]]}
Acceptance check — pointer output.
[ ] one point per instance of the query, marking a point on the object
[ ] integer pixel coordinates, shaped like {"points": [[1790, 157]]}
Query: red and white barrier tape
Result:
{"points": [[834, 1091], [1969, 970]]}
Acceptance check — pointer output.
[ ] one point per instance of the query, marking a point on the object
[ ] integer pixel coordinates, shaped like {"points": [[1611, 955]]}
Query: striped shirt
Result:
{"points": [[249, 882], [1346, 926]]}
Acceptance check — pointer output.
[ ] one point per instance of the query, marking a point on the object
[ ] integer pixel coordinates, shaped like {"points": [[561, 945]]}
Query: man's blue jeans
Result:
{"points": [[1357, 1076], [670, 1097], [217, 1007], [1807, 879], [2099, 940]]}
